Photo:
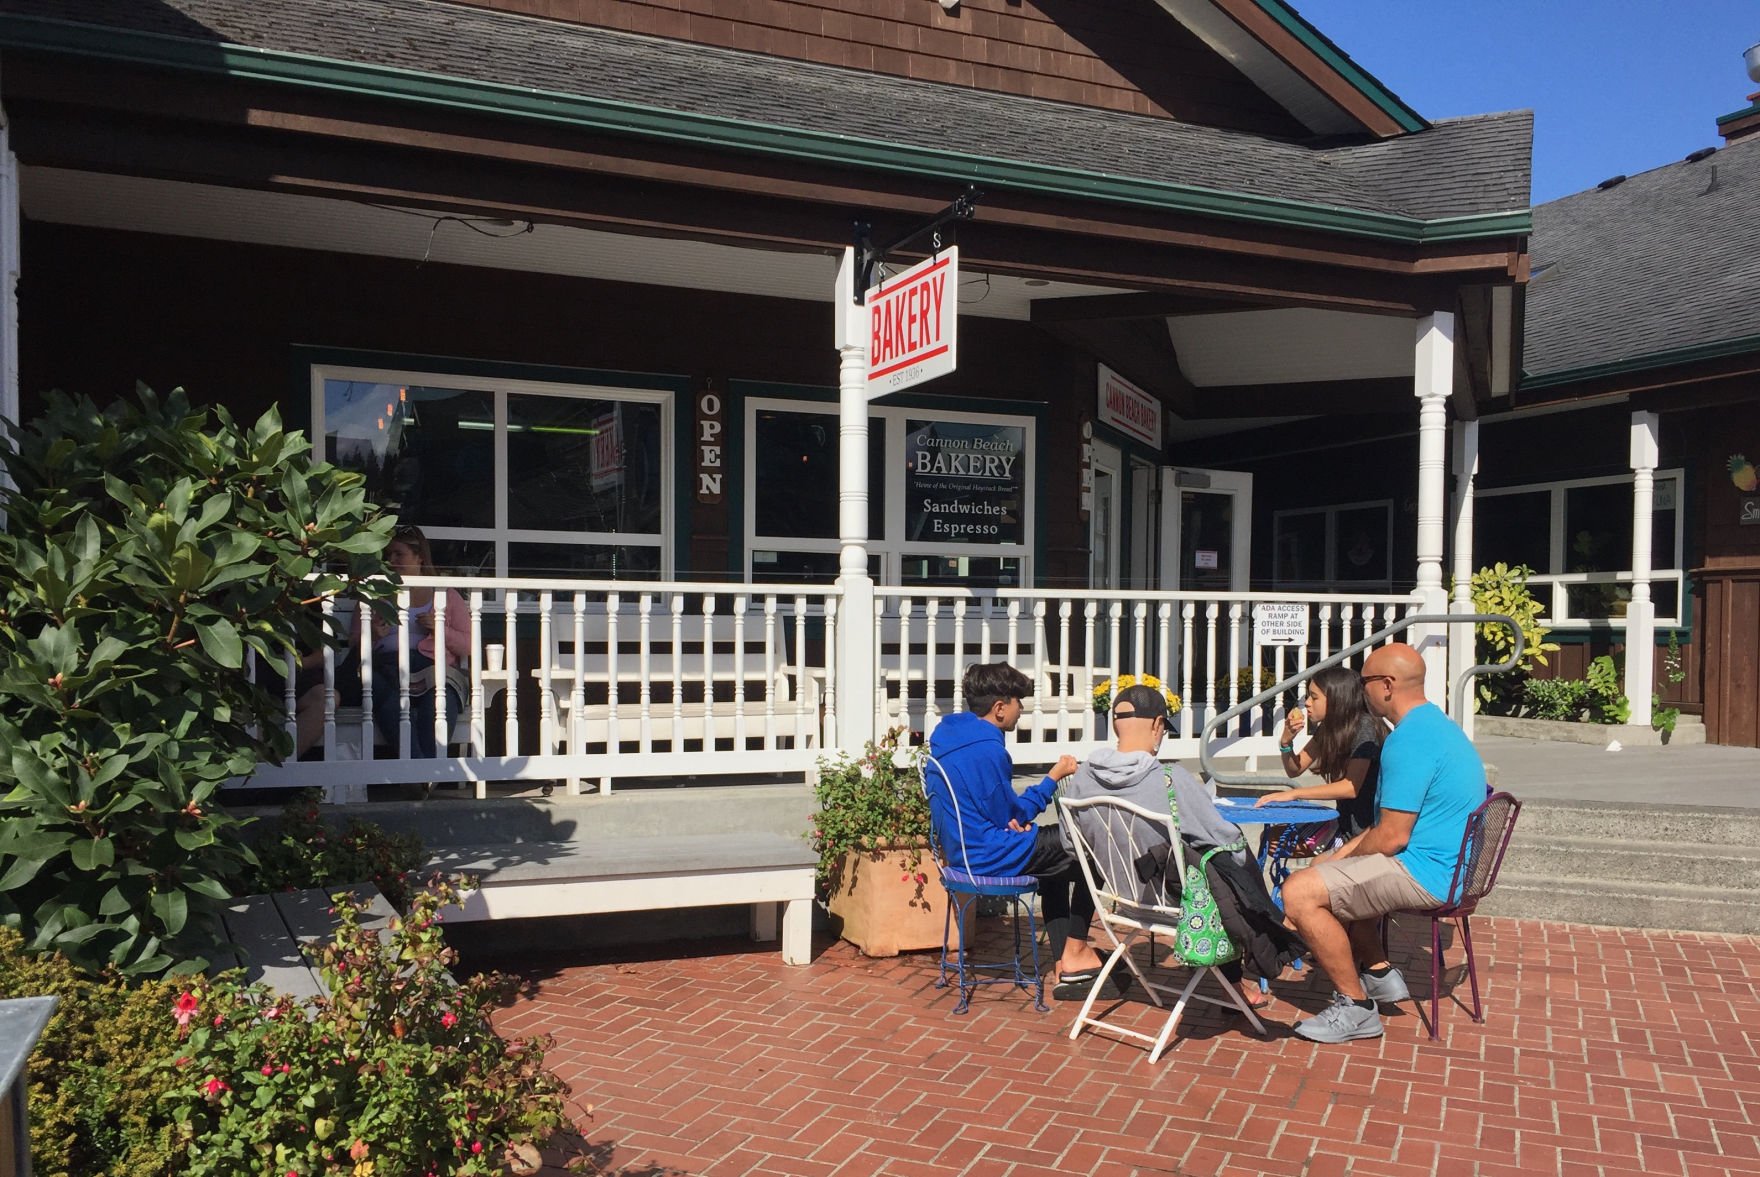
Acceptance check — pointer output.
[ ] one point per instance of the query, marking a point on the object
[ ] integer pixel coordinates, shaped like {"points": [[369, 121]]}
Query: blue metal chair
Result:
{"points": [[964, 889]]}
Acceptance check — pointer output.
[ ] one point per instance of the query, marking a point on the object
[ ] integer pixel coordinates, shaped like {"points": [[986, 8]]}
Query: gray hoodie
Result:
{"points": [[1138, 777]]}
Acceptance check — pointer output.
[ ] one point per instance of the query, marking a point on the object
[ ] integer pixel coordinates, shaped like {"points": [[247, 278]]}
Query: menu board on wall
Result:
{"points": [[965, 483]]}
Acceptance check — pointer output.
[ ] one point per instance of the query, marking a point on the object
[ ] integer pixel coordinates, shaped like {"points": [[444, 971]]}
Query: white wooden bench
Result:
{"points": [[771, 872], [266, 935]]}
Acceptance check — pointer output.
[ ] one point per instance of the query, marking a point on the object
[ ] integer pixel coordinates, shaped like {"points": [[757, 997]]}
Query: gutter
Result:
{"points": [[1644, 363], [421, 88]]}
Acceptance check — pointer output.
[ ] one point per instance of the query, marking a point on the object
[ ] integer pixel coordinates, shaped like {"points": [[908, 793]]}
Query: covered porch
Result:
{"points": [[603, 346]]}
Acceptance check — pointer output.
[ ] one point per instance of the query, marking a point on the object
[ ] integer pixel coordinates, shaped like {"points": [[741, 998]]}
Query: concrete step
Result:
{"points": [[446, 820], [1698, 826], [1626, 904], [1632, 863]]}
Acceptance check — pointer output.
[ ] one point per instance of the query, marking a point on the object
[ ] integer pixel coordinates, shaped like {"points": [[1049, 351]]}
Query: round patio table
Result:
{"points": [[1275, 856]]}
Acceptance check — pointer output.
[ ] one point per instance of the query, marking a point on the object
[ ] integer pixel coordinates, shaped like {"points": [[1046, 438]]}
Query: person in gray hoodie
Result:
{"points": [[1133, 772]]}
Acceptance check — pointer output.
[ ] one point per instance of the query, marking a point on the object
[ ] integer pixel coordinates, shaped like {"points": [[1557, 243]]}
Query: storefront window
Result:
{"points": [[948, 497], [509, 477], [1322, 547], [1593, 534]]}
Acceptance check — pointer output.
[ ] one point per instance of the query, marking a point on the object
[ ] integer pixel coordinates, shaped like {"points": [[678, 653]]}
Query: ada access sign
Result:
{"points": [[912, 321], [1280, 623]]}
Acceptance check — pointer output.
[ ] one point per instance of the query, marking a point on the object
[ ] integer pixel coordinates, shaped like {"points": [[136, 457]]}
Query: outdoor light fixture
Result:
{"points": [[1752, 57]]}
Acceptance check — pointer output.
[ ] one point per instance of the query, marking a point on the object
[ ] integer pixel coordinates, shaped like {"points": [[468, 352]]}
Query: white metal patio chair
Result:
{"points": [[1114, 839]]}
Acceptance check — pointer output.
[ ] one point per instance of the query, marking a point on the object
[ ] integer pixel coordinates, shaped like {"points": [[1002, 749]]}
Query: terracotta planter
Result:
{"points": [[877, 904]]}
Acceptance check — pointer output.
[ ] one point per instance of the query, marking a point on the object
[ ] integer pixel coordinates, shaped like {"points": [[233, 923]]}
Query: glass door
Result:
{"points": [[1206, 529], [1104, 538]]}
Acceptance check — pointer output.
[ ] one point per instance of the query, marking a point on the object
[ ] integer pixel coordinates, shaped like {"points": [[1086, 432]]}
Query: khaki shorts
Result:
{"points": [[1370, 885]]}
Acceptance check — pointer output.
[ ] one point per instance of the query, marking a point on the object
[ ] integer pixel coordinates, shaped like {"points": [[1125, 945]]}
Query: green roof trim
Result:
{"points": [[1645, 363], [417, 87], [1366, 83], [1737, 116]]}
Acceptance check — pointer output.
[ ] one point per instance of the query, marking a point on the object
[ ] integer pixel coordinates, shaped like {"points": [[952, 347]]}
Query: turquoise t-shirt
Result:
{"points": [[1430, 768]]}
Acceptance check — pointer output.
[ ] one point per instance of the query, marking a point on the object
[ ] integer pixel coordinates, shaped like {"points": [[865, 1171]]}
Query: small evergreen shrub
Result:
{"points": [[95, 1075], [300, 849]]}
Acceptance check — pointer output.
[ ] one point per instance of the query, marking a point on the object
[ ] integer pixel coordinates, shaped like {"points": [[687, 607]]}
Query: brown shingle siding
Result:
{"points": [[1126, 55]]}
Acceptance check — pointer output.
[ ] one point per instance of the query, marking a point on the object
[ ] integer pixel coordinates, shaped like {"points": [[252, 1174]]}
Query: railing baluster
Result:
{"points": [[573, 742], [740, 602], [546, 674], [959, 654], [1065, 679], [479, 742], [645, 674], [330, 678], [613, 676], [1210, 617], [677, 744], [770, 674], [829, 731], [931, 699], [442, 729], [510, 636], [1186, 612], [802, 695]]}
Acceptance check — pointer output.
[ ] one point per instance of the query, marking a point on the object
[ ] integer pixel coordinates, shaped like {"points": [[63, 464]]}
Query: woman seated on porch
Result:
{"points": [[408, 555], [1344, 749]]}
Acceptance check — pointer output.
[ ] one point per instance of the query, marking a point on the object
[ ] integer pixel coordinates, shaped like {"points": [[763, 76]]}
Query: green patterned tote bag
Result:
{"points": [[1202, 939]]}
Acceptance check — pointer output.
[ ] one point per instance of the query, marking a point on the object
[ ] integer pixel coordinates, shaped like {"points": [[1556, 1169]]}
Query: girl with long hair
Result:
{"points": [[1344, 749]]}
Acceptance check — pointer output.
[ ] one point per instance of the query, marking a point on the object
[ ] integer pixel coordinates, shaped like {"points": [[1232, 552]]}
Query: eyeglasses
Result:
{"points": [[1369, 678]]}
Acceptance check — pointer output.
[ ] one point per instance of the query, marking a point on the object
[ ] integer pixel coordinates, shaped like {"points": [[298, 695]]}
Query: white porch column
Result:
{"points": [[9, 266], [1433, 381], [1641, 611], [855, 614], [1462, 645]]}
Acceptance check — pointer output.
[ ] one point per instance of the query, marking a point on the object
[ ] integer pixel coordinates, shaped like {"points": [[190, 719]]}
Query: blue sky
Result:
{"points": [[1616, 86]]}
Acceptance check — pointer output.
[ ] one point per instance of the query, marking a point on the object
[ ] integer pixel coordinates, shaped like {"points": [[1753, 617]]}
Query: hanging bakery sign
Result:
{"points": [[965, 483]]}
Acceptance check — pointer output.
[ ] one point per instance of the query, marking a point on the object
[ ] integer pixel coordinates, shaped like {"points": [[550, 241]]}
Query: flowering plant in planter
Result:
{"points": [[1103, 691], [872, 802]]}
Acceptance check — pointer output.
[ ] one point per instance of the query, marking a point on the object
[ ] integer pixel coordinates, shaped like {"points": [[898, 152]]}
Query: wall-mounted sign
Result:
{"points": [[1204, 558], [1129, 409], [913, 320], [965, 483], [605, 468], [709, 447], [1750, 515], [1280, 623]]}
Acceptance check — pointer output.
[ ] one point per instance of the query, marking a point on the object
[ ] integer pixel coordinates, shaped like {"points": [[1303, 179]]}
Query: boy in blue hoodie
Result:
{"points": [[1000, 837]]}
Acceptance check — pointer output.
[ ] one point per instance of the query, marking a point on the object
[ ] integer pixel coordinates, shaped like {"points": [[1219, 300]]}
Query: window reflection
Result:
{"points": [[579, 464], [428, 453]]}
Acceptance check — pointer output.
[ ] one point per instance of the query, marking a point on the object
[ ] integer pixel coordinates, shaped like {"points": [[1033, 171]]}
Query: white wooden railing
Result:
{"points": [[608, 680], [624, 679], [1203, 646]]}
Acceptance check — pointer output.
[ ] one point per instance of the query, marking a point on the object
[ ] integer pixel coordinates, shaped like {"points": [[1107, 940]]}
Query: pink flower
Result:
{"points": [[476, 1146], [215, 1087], [186, 1008], [449, 1019], [267, 1069], [219, 1019], [357, 1151], [285, 1068]]}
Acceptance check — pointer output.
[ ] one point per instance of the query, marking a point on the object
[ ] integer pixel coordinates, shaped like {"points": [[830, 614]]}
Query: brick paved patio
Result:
{"points": [[1605, 1051]]}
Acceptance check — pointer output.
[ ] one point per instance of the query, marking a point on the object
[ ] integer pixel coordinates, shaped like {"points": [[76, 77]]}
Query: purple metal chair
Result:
{"points": [[1475, 872]]}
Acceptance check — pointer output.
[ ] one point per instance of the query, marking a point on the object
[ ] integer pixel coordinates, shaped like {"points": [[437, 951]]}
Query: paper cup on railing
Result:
{"points": [[494, 658]]}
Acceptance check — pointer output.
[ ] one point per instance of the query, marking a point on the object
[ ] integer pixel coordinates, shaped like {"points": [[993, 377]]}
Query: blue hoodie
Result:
{"points": [[970, 750]]}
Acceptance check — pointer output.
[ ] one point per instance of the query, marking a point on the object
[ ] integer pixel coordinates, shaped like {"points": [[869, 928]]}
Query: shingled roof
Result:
{"points": [[1458, 168], [1663, 262]]}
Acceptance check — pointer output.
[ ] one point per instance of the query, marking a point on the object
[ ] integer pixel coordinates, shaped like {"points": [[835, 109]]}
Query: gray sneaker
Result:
{"points": [[1342, 1021], [1388, 990]]}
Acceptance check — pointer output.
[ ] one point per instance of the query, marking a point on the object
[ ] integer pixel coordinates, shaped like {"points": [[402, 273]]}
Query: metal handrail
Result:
{"points": [[1207, 764]]}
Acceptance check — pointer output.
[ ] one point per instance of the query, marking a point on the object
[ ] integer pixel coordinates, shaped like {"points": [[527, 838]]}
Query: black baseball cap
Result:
{"points": [[1141, 702]]}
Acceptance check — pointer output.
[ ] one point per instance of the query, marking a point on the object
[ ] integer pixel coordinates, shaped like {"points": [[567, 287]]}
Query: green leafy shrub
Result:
{"points": [[1555, 698], [873, 802], [95, 1078], [1663, 717], [1502, 588], [300, 849], [396, 1073], [148, 548], [1607, 697]]}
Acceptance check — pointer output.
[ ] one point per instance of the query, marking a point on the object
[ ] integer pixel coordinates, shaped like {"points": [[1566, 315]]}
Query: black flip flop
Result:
{"points": [[1077, 986]]}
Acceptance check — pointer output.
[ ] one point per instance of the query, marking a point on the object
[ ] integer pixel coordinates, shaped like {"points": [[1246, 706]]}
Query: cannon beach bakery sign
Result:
{"points": [[965, 482]]}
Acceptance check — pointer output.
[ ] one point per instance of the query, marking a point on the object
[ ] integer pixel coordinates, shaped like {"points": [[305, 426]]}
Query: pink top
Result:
{"points": [[458, 631]]}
